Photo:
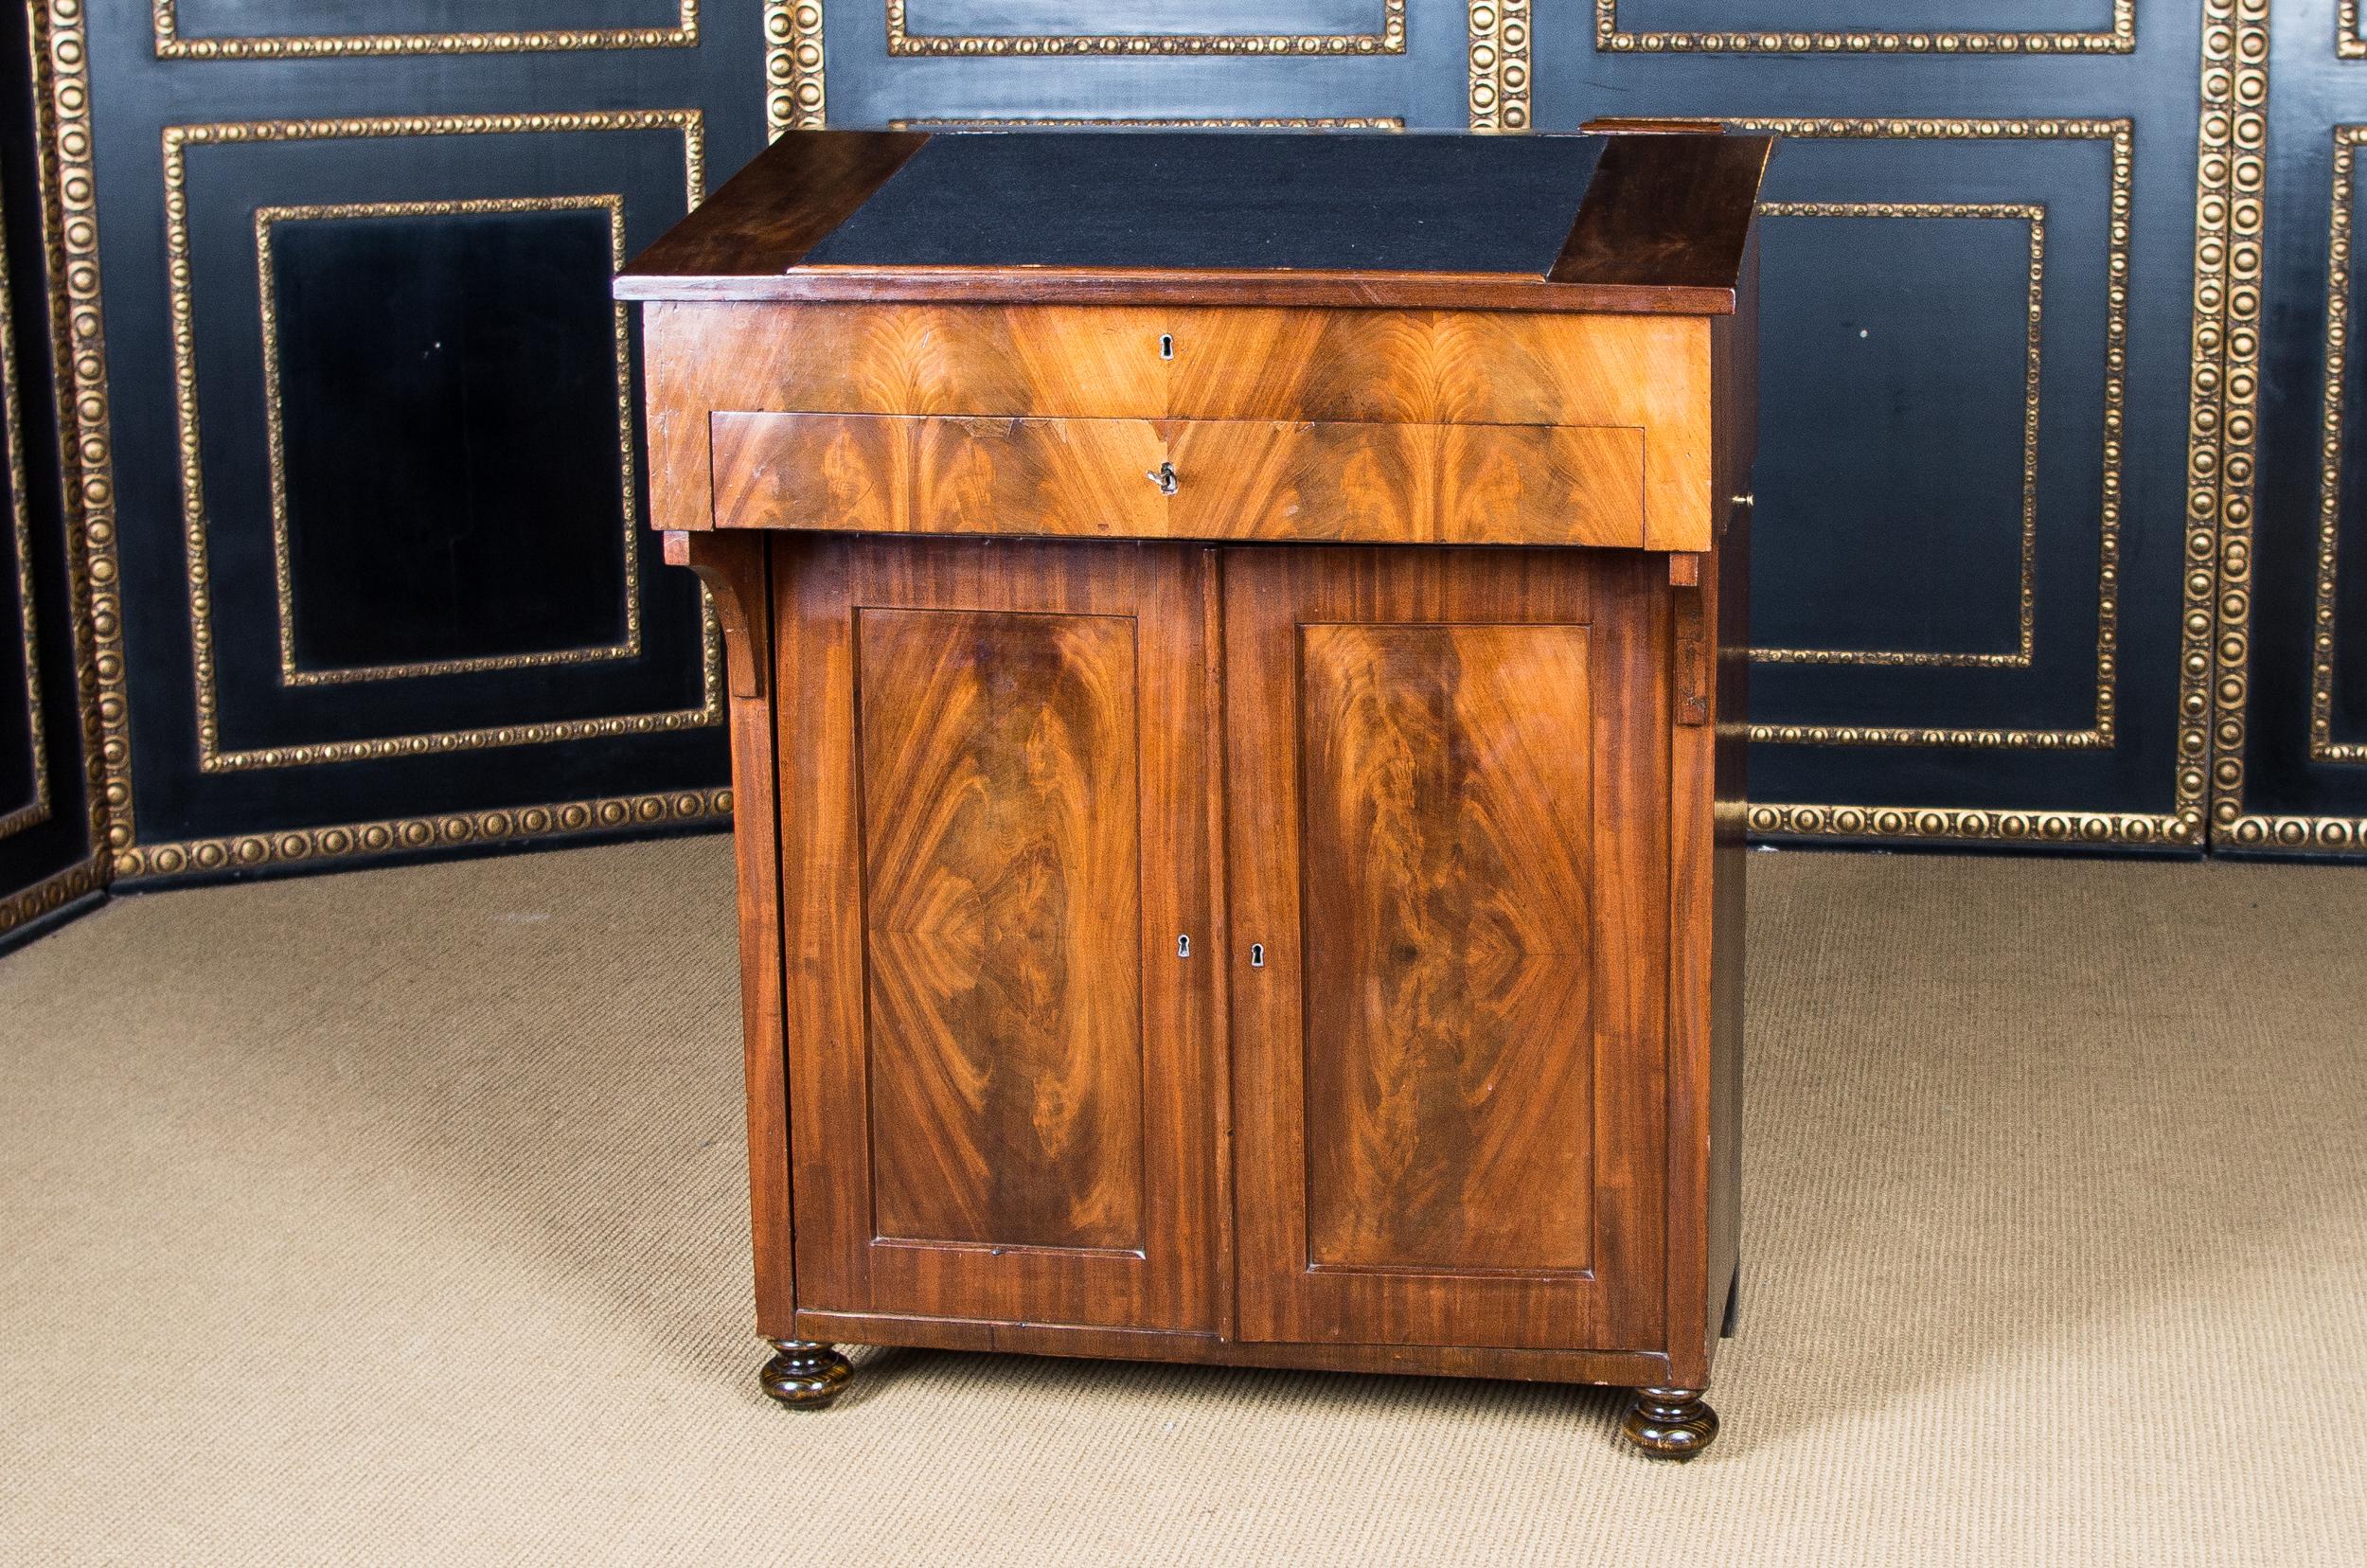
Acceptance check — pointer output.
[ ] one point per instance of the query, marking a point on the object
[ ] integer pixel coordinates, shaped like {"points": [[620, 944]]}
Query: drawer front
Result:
{"points": [[914, 359], [1245, 479]]}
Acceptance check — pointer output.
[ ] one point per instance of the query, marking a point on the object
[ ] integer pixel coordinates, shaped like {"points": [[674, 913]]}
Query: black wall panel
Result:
{"points": [[2292, 698], [2006, 417], [370, 418], [47, 831]]}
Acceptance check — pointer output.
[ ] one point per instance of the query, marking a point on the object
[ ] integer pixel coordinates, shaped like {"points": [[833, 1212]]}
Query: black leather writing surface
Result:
{"points": [[1224, 199]]}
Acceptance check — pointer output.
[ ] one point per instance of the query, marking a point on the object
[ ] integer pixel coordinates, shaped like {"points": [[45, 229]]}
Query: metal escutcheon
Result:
{"points": [[1163, 476]]}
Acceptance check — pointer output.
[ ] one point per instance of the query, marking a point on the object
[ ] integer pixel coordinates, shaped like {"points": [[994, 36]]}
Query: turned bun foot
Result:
{"points": [[806, 1375], [1669, 1423]]}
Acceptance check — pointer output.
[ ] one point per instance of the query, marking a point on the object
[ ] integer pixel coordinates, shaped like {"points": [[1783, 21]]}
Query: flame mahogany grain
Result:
{"points": [[1204, 895]]}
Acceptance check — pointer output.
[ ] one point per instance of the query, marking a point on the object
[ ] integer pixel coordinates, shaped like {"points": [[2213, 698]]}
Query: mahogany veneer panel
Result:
{"points": [[1225, 479], [1446, 792], [1003, 923], [1412, 367], [1382, 1051], [992, 812]]}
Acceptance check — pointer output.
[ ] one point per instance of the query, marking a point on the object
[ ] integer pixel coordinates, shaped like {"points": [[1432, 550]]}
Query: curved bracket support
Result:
{"points": [[732, 566]]}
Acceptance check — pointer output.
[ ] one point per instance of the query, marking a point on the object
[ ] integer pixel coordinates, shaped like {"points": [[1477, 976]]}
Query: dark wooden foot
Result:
{"points": [[1670, 1423], [806, 1375]]}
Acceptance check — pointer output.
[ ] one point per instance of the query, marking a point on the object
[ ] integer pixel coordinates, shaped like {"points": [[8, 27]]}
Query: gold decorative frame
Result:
{"points": [[1214, 122], [78, 346], [2121, 133], [35, 810], [795, 68], [2230, 179], [2182, 825], [1390, 39], [447, 830], [1500, 65], [53, 893], [213, 757], [2221, 468], [2348, 44], [274, 421], [2027, 618], [2121, 38], [2324, 747], [684, 34], [792, 66]]}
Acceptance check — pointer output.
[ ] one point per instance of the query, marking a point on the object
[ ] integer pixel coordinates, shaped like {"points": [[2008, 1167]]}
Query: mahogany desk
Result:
{"points": [[1236, 665]]}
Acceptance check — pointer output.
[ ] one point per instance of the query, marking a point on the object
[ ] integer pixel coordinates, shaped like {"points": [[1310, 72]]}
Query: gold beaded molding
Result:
{"points": [[53, 893], [2100, 734], [78, 347], [2181, 827], [1390, 39], [1199, 123], [2096, 829], [2224, 419], [1499, 69], [453, 830], [37, 806], [2121, 38], [684, 34], [1500, 65], [792, 65], [213, 755], [2324, 747], [2347, 42]]}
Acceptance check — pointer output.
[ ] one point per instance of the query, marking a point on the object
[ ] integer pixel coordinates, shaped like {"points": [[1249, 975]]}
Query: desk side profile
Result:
{"points": [[1237, 659]]}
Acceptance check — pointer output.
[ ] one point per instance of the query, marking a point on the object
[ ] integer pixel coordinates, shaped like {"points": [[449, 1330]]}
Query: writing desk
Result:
{"points": [[1234, 654]]}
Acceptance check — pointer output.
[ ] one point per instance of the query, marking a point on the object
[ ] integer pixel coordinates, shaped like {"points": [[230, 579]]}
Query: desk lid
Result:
{"points": [[1626, 221]]}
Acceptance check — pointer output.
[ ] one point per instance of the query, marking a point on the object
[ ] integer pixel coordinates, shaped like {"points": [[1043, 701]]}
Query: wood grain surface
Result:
{"points": [[1579, 376], [1448, 801], [737, 571], [1003, 925], [1352, 811], [1673, 210], [993, 827], [1222, 479]]}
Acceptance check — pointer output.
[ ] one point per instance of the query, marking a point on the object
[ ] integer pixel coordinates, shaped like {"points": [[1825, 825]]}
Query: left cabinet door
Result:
{"points": [[995, 805]]}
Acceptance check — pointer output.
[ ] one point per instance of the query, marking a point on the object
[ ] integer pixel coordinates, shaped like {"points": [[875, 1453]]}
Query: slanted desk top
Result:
{"points": [[1653, 222]]}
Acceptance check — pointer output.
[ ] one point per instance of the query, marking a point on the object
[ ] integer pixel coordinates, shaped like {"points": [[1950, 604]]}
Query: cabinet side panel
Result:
{"points": [[1448, 809], [997, 763]]}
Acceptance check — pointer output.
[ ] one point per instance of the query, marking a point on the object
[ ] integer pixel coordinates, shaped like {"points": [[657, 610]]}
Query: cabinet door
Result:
{"points": [[994, 829], [1447, 793]]}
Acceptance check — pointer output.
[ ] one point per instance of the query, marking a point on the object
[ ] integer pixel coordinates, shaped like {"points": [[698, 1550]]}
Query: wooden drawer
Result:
{"points": [[1645, 374], [1265, 479]]}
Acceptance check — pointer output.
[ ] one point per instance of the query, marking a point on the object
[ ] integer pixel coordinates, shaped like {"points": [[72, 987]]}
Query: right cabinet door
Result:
{"points": [[1448, 795]]}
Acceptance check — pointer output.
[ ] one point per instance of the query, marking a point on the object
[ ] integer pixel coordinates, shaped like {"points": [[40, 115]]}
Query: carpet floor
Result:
{"points": [[397, 1217]]}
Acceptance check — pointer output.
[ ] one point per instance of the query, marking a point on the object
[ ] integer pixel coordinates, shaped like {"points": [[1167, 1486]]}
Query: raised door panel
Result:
{"points": [[1449, 1071], [1003, 923], [995, 831]]}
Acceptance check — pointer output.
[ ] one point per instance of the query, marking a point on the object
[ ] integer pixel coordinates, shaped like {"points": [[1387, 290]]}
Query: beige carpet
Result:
{"points": [[397, 1217]]}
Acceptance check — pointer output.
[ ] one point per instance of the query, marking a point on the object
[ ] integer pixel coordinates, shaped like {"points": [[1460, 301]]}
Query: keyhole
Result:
{"points": [[1257, 956], [1167, 346], [1184, 947]]}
